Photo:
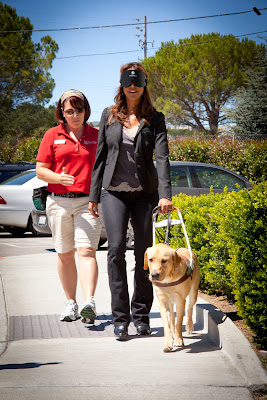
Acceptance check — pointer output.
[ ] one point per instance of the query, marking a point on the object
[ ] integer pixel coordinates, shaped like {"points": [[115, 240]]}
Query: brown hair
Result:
{"points": [[75, 102], [145, 109]]}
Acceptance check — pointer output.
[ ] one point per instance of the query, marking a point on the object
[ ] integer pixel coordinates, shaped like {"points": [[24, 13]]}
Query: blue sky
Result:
{"points": [[97, 76]]}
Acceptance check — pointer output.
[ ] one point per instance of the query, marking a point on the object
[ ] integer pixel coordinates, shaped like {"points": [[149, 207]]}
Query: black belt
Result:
{"points": [[70, 195]]}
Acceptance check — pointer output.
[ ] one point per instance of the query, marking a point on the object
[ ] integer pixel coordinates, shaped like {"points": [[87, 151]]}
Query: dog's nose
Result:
{"points": [[155, 276]]}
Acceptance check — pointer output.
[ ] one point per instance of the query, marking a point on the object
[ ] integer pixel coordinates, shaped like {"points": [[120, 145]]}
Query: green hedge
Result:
{"points": [[25, 149], [228, 233], [248, 158]]}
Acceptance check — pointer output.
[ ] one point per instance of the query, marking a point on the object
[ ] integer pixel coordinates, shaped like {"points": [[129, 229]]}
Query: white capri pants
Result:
{"points": [[71, 223]]}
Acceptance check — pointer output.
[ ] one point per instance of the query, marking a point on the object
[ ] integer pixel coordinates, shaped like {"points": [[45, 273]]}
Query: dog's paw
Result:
{"points": [[167, 349], [189, 328], [179, 343], [168, 345]]}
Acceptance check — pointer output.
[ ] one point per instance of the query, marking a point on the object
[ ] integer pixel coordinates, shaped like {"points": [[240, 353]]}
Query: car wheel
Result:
{"points": [[30, 227], [130, 236], [15, 230]]}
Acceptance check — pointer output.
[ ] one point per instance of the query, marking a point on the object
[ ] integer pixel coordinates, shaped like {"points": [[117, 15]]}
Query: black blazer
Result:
{"points": [[146, 140]]}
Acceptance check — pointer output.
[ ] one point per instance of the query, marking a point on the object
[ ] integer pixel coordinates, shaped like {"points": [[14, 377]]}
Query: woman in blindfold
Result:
{"points": [[126, 181]]}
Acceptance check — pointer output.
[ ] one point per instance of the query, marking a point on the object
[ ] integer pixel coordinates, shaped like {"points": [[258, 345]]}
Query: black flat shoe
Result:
{"points": [[143, 329], [121, 332]]}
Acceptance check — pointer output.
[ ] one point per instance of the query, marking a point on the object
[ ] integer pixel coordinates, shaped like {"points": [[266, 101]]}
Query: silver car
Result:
{"points": [[191, 178], [9, 169], [16, 202], [16, 206], [194, 178]]}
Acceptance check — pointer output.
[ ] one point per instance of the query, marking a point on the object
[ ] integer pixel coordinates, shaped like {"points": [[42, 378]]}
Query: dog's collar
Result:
{"points": [[181, 280]]}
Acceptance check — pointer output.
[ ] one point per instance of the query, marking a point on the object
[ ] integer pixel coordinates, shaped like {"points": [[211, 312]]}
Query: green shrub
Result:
{"points": [[202, 228], [27, 149], [248, 158], [245, 231], [228, 233], [6, 149], [20, 147]]}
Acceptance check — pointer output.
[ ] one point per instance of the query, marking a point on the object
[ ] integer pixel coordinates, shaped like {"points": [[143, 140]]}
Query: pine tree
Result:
{"points": [[24, 65], [192, 80], [249, 113]]}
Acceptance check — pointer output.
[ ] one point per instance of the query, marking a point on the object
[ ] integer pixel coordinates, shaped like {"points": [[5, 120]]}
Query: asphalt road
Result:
{"points": [[26, 244]]}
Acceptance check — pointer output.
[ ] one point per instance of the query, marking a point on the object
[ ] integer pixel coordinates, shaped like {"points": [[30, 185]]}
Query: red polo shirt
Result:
{"points": [[60, 150]]}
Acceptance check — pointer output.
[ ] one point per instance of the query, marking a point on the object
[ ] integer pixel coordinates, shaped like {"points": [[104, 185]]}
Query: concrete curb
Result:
{"points": [[3, 319], [224, 334]]}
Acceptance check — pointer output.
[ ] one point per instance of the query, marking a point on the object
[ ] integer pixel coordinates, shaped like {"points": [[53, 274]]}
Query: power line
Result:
{"points": [[98, 54], [157, 48], [133, 24], [133, 51]]}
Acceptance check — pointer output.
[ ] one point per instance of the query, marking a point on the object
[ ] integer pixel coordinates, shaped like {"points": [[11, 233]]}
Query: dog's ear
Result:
{"points": [[176, 259], [145, 260]]}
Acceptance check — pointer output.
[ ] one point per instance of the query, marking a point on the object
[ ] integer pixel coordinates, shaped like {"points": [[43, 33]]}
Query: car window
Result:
{"points": [[20, 179], [4, 175], [217, 178], [180, 176]]}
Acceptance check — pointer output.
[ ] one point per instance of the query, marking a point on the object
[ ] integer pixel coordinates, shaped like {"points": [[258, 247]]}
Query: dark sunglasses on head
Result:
{"points": [[134, 76]]}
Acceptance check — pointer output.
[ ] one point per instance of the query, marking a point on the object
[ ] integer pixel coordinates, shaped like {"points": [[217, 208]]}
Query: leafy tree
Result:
{"points": [[24, 65], [28, 118], [249, 111], [191, 80]]}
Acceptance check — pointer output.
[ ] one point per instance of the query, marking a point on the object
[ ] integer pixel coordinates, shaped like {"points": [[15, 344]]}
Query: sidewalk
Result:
{"points": [[48, 359]]}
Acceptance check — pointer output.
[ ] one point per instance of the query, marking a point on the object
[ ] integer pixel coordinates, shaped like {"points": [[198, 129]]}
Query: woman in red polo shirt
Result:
{"points": [[65, 160]]}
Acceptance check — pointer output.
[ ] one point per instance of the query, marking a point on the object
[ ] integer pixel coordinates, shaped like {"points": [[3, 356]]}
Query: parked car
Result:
{"points": [[194, 178], [8, 169], [191, 178], [40, 223], [16, 205], [16, 202]]}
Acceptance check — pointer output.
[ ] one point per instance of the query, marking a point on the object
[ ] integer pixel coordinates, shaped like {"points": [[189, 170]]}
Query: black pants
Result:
{"points": [[117, 207]]}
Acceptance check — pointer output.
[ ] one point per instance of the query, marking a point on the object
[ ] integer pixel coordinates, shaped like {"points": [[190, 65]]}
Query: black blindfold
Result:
{"points": [[136, 77]]}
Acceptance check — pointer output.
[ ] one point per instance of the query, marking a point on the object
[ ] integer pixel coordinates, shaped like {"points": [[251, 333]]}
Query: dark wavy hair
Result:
{"points": [[145, 109], [75, 102]]}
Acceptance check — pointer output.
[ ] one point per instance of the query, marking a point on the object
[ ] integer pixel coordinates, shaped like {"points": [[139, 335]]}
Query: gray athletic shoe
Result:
{"points": [[71, 311], [88, 312]]}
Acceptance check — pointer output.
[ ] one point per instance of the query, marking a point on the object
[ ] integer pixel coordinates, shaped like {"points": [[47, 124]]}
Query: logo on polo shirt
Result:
{"points": [[90, 142]]}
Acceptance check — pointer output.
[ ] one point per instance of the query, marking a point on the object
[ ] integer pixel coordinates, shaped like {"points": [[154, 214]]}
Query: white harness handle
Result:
{"points": [[166, 223]]}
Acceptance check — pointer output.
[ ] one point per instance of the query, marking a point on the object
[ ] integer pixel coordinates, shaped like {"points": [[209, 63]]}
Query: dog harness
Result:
{"points": [[181, 280], [167, 223]]}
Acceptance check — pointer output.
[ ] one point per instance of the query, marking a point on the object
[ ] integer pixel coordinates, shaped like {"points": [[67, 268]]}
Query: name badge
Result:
{"points": [[60, 141]]}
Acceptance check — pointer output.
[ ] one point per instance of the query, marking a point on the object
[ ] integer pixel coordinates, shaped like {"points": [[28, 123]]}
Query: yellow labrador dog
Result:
{"points": [[173, 282]]}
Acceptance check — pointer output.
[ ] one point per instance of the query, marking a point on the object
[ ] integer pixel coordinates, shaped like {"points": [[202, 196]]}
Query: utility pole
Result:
{"points": [[143, 43], [145, 39]]}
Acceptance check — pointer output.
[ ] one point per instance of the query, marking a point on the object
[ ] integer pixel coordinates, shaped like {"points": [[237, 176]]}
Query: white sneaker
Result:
{"points": [[88, 311], [71, 311]]}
